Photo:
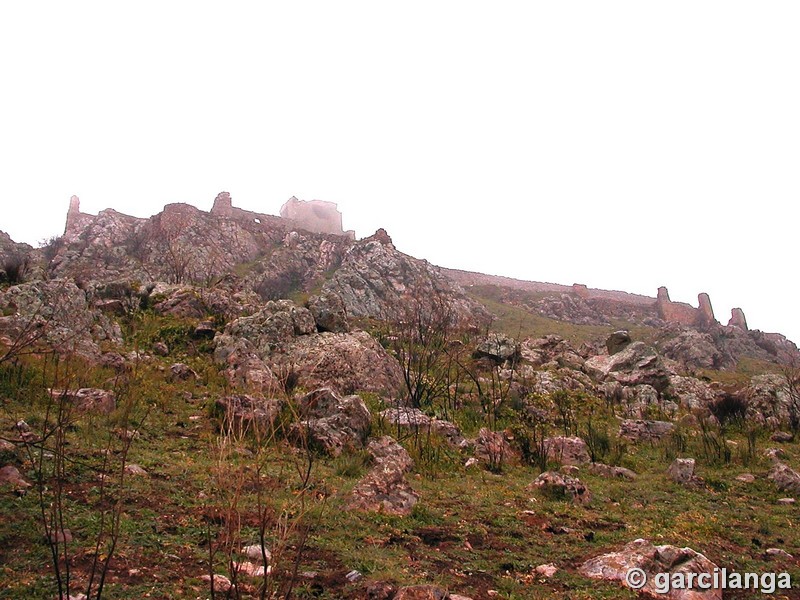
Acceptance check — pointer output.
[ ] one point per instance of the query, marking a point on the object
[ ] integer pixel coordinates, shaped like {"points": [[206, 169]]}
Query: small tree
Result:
{"points": [[792, 375]]}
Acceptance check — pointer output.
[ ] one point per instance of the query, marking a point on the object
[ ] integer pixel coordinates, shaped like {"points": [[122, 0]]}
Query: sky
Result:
{"points": [[622, 144]]}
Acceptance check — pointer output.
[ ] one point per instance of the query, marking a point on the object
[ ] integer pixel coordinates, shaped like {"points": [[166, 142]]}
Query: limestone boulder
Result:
{"points": [[346, 362], [89, 400], [567, 450], [645, 431], [653, 560], [329, 312], [785, 478], [557, 484], [331, 422], [385, 489], [498, 347], [617, 341], [636, 364], [682, 470]]}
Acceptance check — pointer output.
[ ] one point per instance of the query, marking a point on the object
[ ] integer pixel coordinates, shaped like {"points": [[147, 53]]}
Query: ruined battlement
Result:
{"points": [[685, 314]]}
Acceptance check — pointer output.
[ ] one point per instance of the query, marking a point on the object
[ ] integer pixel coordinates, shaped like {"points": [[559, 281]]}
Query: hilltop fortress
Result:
{"points": [[316, 216], [321, 217]]}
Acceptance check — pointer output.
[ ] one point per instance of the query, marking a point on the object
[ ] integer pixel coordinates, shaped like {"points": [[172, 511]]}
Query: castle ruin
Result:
{"points": [[685, 314], [316, 216]]}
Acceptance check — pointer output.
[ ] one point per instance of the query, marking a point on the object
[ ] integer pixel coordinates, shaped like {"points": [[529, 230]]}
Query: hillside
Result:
{"points": [[231, 404]]}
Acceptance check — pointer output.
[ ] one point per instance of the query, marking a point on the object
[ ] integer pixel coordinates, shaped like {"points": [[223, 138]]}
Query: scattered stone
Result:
{"points": [[22, 426], [160, 349], [645, 431], [786, 501], [612, 472], [11, 475], [746, 478], [135, 470], [6, 446], [777, 554], [617, 341], [546, 570], [353, 576], [182, 372], [458, 597], [787, 479], [553, 483], [385, 489], [255, 553], [471, 462], [220, 582], [380, 590], [63, 536], [570, 470], [682, 470], [641, 554], [87, 399], [567, 450], [421, 592], [250, 569], [782, 437], [774, 453]]}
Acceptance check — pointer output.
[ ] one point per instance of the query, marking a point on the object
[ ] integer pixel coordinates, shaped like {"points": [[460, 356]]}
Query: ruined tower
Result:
{"points": [[737, 319], [73, 214], [706, 316], [223, 206], [317, 216]]}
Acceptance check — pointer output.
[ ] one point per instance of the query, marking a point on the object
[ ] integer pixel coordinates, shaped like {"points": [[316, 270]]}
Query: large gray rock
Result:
{"points": [[682, 470], [329, 312], [695, 350], [376, 280], [55, 315], [769, 401], [636, 364], [653, 560], [497, 346], [346, 362], [785, 478]]}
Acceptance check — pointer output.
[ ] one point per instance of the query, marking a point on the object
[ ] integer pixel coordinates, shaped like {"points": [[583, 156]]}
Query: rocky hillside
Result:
{"points": [[231, 404]]}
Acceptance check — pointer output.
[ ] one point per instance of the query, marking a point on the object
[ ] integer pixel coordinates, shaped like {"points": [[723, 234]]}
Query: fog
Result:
{"points": [[621, 145]]}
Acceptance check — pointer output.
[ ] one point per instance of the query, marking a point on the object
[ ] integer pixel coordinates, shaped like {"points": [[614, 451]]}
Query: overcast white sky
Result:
{"points": [[624, 145]]}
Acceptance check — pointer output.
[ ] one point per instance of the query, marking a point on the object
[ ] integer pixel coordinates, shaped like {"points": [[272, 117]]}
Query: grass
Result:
{"points": [[472, 532]]}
